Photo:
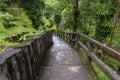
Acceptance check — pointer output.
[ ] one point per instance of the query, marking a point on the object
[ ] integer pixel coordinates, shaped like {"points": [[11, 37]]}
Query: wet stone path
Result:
{"points": [[64, 63]]}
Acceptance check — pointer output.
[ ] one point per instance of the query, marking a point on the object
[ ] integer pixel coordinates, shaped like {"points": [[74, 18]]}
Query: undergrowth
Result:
{"points": [[21, 24]]}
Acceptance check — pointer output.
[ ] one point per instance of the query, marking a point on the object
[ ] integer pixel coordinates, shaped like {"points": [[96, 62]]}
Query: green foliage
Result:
{"points": [[27, 36], [99, 72], [67, 17], [13, 31], [6, 18], [15, 11], [116, 43], [25, 21], [7, 44], [43, 28], [116, 39], [103, 13], [101, 9], [86, 18], [54, 7], [103, 30], [99, 14], [45, 21], [63, 8], [53, 28], [3, 7], [33, 9]]}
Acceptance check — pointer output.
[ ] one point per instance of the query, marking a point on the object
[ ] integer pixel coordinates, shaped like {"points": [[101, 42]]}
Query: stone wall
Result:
{"points": [[23, 62]]}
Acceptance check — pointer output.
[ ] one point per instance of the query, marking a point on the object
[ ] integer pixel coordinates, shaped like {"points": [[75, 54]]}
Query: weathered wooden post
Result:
{"points": [[58, 34], [78, 38], [62, 35], [74, 38], [67, 37], [90, 49]]}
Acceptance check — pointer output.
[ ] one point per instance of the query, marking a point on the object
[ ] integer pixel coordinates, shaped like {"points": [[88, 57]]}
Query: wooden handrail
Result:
{"points": [[101, 64], [111, 52], [75, 38]]}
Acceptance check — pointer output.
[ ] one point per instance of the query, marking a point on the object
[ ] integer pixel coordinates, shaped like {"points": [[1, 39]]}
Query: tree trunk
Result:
{"points": [[76, 14], [34, 23], [115, 22]]}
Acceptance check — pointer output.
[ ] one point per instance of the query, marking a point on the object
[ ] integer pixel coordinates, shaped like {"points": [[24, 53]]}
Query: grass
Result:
{"points": [[83, 53], [22, 24], [95, 68], [99, 72]]}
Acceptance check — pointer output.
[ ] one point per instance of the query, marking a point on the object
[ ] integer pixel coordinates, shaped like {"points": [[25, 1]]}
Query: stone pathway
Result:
{"points": [[64, 63]]}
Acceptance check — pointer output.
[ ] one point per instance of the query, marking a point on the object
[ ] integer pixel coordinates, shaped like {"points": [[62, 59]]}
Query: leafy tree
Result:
{"points": [[34, 10], [63, 8], [67, 17], [103, 15], [86, 17]]}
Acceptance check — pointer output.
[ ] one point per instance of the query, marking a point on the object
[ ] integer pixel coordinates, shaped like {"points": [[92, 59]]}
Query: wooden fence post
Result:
{"points": [[78, 38], [90, 49], [68, 37], [65, 36], [74, 38], [71, 37]]}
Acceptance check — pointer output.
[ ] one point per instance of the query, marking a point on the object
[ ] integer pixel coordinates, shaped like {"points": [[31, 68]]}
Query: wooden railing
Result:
{"points": [[89, 44], [24, 61]]}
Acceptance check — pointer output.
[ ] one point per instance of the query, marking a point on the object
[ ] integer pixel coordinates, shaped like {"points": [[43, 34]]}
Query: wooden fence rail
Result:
{"points": [[87, 43], [23, 62]]}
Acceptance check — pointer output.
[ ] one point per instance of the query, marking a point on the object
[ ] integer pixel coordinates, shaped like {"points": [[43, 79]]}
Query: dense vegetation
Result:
{"points": [[23, 19], [92, 17], [16, 22]]}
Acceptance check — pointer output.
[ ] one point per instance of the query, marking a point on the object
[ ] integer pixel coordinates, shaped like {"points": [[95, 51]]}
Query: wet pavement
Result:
{"points": [[64, 63]]}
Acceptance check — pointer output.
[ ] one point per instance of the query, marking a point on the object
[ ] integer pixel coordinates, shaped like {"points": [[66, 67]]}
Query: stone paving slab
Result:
{"points": [[63, 63], [57, 40], [66, 73], [57, 58]]}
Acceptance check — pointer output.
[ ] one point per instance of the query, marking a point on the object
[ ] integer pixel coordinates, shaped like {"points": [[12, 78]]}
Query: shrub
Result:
{"points": [[3, 7]]}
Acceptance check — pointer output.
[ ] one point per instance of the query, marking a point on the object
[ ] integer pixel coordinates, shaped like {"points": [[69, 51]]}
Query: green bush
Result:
{"points": [[6, 18], [3, 7], [27, 36], [53, 28]]}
